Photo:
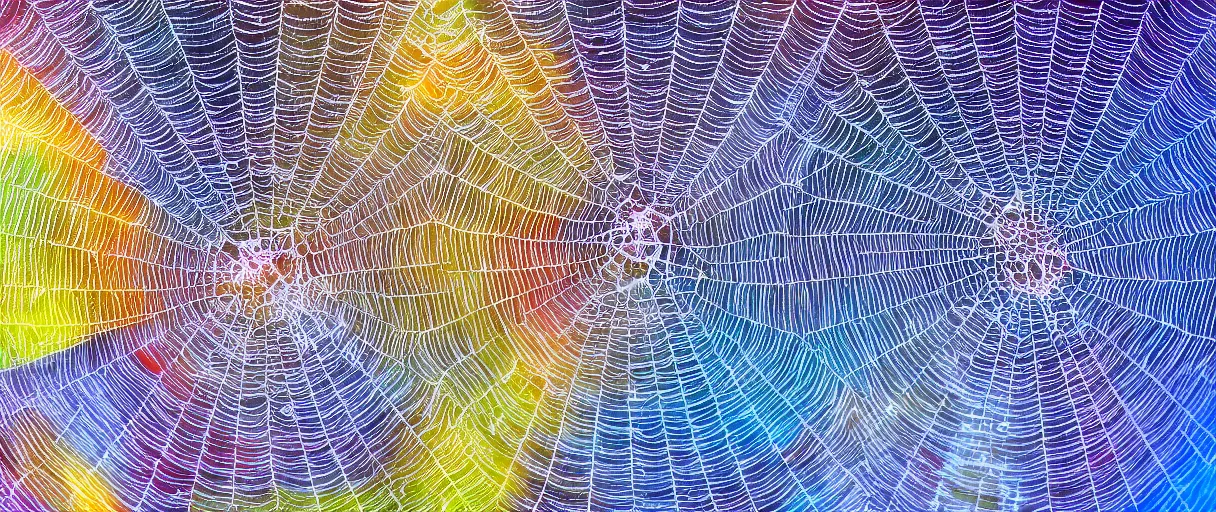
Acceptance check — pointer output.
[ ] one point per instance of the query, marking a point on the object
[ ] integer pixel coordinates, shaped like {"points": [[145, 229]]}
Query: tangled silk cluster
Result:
{"points": [[629, 255]]}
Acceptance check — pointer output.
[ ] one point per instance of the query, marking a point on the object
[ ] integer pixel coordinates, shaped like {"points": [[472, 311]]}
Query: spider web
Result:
{"points": [[607, 255]]}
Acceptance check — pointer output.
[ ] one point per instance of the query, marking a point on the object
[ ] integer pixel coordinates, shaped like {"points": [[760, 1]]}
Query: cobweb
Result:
{"points": [[607, 255]]}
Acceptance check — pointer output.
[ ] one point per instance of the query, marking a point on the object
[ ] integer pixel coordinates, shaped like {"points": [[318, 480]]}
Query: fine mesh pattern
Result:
{"points": [[516, 255]]}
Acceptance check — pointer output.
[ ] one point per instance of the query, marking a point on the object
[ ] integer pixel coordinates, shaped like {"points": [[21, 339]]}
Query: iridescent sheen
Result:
{"points": [[508, 255]]}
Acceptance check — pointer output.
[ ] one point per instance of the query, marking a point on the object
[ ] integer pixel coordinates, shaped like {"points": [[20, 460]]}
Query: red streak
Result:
{"points": [[148, 360]]}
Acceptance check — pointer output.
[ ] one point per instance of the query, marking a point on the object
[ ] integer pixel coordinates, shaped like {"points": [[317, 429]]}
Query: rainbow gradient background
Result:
{"points": [[625, 255]]}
